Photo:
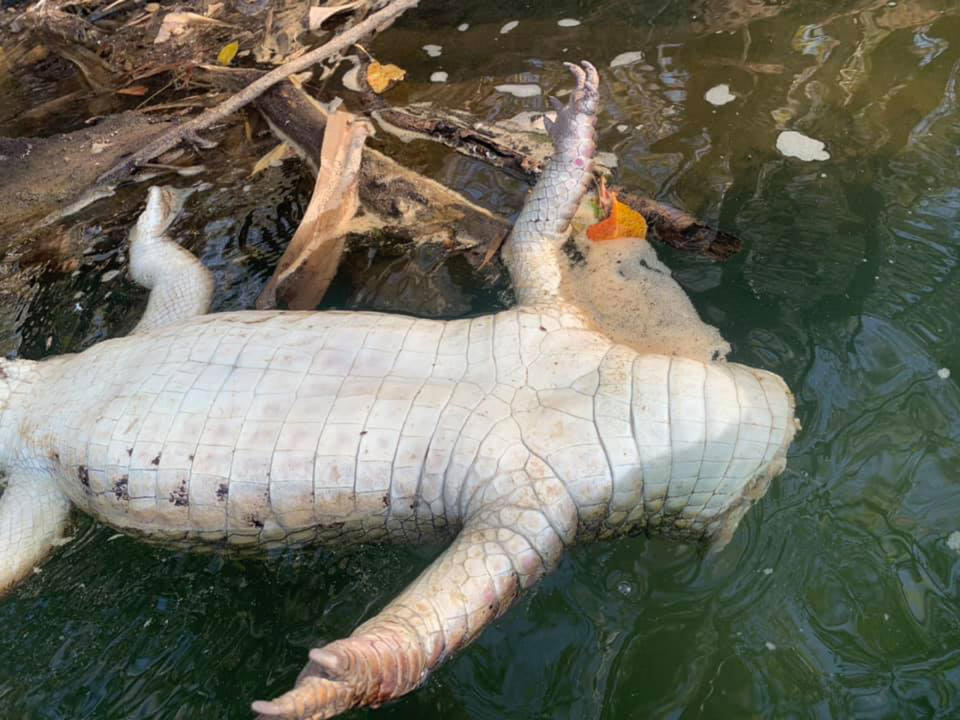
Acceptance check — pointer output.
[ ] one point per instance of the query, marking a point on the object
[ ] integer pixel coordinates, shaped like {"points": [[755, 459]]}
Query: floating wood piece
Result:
{"points": [[310, 262]]}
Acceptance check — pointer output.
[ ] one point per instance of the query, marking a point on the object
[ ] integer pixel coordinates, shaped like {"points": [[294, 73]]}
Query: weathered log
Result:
{"points": [[519, 150], [516, 151]]}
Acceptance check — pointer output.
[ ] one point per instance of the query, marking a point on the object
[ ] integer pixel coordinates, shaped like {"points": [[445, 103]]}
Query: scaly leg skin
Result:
{"points": [[531, 251], [33, 513], [180, 286], [506, 545]]}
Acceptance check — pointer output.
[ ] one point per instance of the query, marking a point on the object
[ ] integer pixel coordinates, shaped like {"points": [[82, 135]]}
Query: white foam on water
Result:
{"points": [[627, 58], [797, 145], [463, 27], [953, 542], [720, 95], [944, 374], [433, 50], [509, 26], [439, 77], [521, 90], [568, 22]]}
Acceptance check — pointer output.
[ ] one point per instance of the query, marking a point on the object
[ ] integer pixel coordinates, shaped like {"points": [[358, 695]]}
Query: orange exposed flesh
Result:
{"points": [[622, 222]]}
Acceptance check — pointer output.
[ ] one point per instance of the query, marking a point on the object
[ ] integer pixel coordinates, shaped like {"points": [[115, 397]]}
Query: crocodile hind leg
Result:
{"points": [[33, 513], [504, 548], [180, 286]]}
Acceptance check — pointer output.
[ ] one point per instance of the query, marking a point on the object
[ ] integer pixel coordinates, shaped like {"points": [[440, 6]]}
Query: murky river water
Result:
{"points": [[838, 596]]}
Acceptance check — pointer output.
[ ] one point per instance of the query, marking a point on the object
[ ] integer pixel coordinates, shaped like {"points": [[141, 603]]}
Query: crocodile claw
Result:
{"points": [[583, 101]]}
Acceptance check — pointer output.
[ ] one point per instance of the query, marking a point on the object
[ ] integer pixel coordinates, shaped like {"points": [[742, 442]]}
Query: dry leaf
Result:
{"points": [[228, 53], [272, 159], [319, 15], [380, 77], [623, 222], [137, 90]]}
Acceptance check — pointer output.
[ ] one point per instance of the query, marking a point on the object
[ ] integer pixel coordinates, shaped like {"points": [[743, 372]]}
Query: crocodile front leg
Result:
{"points": [[33, 512], [508, 544], [531, 251]]}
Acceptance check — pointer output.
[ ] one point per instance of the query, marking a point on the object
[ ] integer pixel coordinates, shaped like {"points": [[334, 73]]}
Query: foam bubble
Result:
{"points": [[627, 58], [720, 95], [798, 145], [521, 90]]}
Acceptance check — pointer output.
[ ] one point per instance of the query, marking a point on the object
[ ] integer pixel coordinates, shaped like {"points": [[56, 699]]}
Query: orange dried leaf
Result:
{"points": [[623, 222], [380, 77]]}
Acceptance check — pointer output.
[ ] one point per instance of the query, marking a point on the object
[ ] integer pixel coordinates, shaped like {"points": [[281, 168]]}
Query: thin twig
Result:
{"points": [[174, 136]]}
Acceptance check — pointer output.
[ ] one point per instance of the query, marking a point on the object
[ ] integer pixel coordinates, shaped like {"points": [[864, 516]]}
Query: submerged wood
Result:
{"points": [[680, 229]]}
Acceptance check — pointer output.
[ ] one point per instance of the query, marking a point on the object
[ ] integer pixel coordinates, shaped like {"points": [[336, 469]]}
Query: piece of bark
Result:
{"points": [[310, 261], [523, 152]]}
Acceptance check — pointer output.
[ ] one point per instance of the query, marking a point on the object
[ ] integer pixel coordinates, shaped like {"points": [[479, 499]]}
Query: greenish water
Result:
{"points": [[838, 596]]}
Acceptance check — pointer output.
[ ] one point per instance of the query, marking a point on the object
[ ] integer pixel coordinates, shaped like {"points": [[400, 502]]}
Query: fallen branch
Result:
{"points": [[189, 129], [519, 146]]}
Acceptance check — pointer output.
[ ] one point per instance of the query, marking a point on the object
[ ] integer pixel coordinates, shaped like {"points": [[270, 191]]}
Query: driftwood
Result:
{"points": [[520, 150], [513, 148], [190, 129]]}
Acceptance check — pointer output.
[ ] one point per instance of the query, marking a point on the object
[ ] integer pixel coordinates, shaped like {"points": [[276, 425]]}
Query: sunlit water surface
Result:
{"points": [[838, 596]]}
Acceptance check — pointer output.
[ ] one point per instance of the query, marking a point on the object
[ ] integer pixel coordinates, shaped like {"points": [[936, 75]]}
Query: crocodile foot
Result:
{"points": [[359, 671], [584, 100]]}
